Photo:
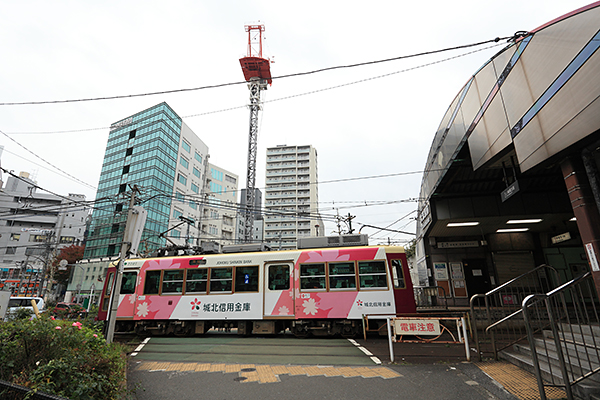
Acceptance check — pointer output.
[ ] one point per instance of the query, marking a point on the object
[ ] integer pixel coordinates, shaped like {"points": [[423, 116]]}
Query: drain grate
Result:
{"points": [[248, 369], [240, 378]]}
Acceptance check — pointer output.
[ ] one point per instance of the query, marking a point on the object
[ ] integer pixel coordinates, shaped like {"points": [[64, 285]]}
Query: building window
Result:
{"points": [[184, 162], [11, 250], [177, 213], [196, 172], [67, 239], [230, 179], [218, 175], [129, 151], [179, 197], [176, 234], [132, 134], [186, 146], [198, 157], [37, 238], [15, 236], [195, 188], [181, 179]]}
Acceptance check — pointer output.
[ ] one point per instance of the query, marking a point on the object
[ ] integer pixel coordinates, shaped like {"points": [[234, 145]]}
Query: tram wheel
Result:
{"points": [[300, 333]]}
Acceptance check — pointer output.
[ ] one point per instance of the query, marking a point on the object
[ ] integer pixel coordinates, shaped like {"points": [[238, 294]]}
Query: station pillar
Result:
{"points": [[585, 210]]}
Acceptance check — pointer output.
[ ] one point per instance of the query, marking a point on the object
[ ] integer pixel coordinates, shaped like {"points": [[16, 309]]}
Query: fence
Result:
{"points": [[564, 335], [431, 297], [10, 391], [497, 313]]}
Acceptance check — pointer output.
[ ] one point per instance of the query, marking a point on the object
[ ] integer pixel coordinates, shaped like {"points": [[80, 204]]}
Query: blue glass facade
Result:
{"points": [[141, 150]]}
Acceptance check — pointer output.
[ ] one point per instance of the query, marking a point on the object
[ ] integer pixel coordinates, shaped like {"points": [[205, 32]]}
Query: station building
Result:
{"points": [[511, 180]]}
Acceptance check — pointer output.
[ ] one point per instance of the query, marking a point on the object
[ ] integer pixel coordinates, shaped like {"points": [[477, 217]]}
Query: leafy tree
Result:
{"points": [[72, 254]]}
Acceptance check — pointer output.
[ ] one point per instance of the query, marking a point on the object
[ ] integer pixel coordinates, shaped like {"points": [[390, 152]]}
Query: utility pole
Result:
{"points": [[349, 220], [128, 239]]}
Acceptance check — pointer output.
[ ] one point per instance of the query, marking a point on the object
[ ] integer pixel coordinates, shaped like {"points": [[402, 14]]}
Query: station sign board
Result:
{"points": [[561, 238], [510, 191]]}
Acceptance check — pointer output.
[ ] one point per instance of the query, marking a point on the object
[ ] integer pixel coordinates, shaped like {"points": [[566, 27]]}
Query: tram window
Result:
{"points": [[107, 292], [152, 282], [279, 277], [246, 279], [312, 276], [220, 280], [128, 282], [172, 281], [399, 282], [372, 274], [342, 276], [195, 280]]}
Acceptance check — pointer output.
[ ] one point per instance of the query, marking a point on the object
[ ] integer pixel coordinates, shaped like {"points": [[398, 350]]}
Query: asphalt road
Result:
{"points": [[231, 367]]}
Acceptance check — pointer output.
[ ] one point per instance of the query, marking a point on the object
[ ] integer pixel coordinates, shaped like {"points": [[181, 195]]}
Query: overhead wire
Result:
{"points": [[220, 85]]}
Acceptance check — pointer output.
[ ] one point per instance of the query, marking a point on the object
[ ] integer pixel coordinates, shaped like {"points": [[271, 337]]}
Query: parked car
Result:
{"points": [[69, 310], [16, 303]]}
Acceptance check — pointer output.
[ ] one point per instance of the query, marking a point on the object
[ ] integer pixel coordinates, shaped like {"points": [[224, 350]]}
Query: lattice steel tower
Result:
{"points": [[257, 73]]}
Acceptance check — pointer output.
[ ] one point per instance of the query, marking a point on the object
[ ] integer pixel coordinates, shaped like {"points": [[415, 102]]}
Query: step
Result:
{"points": [[586, 329], [578, 366], [583, 390]]}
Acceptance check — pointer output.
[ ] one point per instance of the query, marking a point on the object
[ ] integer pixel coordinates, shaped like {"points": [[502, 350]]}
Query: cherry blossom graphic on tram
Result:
{"points": [[316, 291]]}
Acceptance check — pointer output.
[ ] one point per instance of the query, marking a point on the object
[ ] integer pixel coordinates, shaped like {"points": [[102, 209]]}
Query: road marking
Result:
{"points": [[367, 352], [140, 347], [376, 360], [270, 373]]}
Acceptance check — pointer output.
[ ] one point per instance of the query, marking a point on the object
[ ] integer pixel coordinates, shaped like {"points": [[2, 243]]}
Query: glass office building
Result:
{"points": [[144, 150]]}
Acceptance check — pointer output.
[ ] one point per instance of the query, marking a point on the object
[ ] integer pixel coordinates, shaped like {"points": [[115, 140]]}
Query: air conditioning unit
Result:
{"points": [[333, 241], [246, 248]]}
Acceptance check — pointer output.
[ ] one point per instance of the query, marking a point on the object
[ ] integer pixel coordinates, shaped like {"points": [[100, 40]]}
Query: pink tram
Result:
{"points": [[314, 291]]}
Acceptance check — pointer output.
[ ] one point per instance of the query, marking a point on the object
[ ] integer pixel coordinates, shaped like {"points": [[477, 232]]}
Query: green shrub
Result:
{"points": [[65, 358]]}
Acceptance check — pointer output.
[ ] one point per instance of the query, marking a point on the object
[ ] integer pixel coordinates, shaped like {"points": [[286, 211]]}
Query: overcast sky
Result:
{"points": [[65, 50]]}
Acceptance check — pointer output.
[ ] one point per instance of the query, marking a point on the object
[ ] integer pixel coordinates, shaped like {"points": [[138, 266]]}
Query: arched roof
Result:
{"points": [[536, 97]]}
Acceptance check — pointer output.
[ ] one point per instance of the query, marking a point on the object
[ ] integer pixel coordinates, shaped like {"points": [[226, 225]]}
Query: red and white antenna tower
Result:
{"points": [[257, 73]]}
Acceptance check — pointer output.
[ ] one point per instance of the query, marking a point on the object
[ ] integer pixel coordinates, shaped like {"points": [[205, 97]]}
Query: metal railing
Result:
{"points": [[497, 313], [431, 297], [11, 391], [567, 351]]}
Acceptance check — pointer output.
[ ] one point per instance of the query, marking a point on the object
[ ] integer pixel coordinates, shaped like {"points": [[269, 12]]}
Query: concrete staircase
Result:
{"points": [[581, 349]]}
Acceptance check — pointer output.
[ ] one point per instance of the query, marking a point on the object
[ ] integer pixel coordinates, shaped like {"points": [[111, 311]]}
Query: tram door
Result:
{"points": [[279, 290]]}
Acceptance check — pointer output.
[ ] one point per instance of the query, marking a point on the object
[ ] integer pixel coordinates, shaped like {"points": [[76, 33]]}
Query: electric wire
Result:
{"points": [[220, 85]]}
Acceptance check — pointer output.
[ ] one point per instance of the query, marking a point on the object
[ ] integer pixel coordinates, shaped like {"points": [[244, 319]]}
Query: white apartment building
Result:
{"points": [[192, 173], [220, 208], [291, 196]]}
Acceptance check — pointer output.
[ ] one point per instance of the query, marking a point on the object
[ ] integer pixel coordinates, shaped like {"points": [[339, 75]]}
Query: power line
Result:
{"points": [[220, 85], [276, 99], [49, 163]]}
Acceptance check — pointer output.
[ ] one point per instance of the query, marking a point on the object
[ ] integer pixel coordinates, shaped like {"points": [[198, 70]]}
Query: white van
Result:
{"points": [[16, 303]]}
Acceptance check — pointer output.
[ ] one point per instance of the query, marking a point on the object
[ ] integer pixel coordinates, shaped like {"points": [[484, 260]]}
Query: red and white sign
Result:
{"points": [[417, 327]]}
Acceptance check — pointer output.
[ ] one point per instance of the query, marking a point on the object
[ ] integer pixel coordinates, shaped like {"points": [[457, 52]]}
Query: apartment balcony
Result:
{"points": [[281, 173], [279, 195]]}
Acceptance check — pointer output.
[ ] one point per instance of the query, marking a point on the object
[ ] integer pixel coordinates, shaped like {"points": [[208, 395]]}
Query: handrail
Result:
{"points": [[570, 299], [519, 277], [499, 322], [488, 297]]}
